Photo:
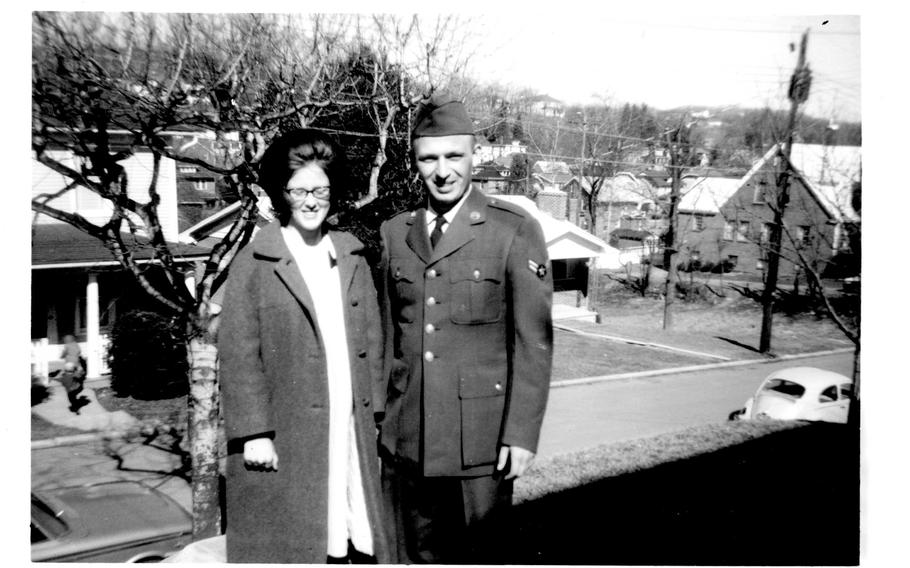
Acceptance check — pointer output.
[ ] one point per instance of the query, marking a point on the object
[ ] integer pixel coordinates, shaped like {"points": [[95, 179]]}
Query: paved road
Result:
{"points": [[588, 415]]}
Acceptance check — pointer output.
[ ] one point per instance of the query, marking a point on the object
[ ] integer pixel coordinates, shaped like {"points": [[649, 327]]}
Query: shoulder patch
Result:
{"points": [[539, 269]]}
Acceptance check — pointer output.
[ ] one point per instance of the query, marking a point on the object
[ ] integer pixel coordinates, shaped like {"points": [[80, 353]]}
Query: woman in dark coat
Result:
{"points": [[300, 347]]}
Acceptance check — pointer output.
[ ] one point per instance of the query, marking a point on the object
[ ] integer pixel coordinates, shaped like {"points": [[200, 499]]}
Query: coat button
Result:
{"points": [[362, 353], [431, 301], [354, 302], [428, 356], [476, 275], [366, 402], [498, 386], [430, 328], [431, 273]]}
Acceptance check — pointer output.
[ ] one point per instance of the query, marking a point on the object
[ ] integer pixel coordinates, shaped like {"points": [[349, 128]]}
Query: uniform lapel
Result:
{"points": [[417, 237], [461, 231]]}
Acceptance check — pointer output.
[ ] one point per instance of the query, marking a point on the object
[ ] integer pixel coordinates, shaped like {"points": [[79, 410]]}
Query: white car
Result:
{"points": [[800, 393]]}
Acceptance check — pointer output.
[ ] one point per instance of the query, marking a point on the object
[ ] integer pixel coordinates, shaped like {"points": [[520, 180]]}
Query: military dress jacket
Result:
{"points": [[274, 383], [469, 337]]}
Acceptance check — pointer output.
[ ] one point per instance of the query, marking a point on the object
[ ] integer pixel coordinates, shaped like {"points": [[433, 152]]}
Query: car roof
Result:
{"points": [[810, 377]]}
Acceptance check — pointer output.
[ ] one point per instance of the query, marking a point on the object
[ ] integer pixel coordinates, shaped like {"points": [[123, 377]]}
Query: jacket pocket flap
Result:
{"points": [[481, 383], [476, 270]]}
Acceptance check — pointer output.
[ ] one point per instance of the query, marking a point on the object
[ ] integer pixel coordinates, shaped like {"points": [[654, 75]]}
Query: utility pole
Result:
{"points": [[800, 82], [581, 177], [673, 139]]}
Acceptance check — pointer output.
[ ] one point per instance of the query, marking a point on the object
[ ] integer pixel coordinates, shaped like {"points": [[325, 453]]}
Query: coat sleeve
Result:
{"points": [[244, 386], [530, 297], [380, 387]]}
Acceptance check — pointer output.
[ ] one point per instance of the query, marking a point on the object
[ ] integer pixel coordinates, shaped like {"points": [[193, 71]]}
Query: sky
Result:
{"points": [[673, 60]]}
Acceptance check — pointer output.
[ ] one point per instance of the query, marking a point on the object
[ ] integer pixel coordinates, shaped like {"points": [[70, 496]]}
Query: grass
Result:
{"points": [[568, 471], [166, 410]]}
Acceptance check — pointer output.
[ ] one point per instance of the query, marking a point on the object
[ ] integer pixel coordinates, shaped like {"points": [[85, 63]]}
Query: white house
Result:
{"points": [[77, 286]]}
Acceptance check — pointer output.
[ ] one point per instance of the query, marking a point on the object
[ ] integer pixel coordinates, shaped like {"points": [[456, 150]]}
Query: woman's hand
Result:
{"points": [[259, 454]]}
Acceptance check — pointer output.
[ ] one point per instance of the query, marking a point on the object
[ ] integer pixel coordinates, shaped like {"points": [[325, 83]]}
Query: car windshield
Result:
{"points": [[45, 524], [784, 387]]}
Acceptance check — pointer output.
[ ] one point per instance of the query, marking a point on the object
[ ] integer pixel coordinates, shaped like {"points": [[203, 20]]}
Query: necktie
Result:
{"points": [[437, 230]]}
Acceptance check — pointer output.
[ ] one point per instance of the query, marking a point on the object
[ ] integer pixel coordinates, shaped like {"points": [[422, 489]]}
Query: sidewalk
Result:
{"points": [[92, 418]]}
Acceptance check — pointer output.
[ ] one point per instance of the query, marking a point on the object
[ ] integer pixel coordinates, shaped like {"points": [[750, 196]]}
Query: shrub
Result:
{"points": [[147, 356]]}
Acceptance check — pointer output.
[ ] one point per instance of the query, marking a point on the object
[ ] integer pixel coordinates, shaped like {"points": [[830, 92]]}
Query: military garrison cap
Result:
{"points": [[442, 115]]}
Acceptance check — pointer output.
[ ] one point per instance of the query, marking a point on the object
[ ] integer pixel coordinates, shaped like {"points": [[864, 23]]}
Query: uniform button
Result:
{"points": [[498, 386], [430, 328], [431, 301], [428, 356], [431, 273], [366, 402], [354, 302], [476, 275], [361, 353]]}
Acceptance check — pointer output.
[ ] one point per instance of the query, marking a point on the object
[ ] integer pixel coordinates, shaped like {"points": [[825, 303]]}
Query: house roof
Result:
{"points": [[707, 194], [564, 239], [490, 171], [832, 171], [60, 245], [631, 234]]}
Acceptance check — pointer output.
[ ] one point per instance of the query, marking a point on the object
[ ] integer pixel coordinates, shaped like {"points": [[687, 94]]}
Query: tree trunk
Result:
{"points": [[203, 417]]}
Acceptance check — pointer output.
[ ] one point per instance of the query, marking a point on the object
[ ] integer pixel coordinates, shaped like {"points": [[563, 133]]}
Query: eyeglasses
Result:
{"points": [[299, 193]]}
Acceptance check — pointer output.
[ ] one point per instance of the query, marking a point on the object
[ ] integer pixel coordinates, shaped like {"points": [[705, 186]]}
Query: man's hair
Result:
{"points": [[294, 150]]}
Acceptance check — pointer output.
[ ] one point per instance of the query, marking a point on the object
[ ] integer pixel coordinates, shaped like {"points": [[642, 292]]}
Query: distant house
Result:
{"points": [[201, 192], [491, 178], [484, 153], [77, 285], [731, 219], [624, 200], [545, 105], [634, 245]]}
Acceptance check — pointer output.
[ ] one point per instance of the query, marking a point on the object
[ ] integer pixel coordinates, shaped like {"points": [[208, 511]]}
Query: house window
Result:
{"points": [[802, 235], [186, 169], [732, 260], [699, 221], [765, 237], [728, 231], [742, 233], [204, 185], [759, 194]]}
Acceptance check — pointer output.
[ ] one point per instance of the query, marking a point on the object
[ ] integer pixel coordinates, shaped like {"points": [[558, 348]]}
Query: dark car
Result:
{"points": [[121, 521]]}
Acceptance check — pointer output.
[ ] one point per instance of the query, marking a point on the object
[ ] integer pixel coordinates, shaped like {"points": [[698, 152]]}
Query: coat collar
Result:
{"points": [[269, 244]]}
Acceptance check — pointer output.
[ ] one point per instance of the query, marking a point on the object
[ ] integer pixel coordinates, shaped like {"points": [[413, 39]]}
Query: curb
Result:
{"points": [[693, 368]]}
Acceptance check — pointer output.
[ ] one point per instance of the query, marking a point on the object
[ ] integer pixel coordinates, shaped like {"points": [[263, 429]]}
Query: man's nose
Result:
{"points": [[442, 168]]}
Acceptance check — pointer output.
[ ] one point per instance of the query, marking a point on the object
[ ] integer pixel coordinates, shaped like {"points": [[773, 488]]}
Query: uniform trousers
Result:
{"points": [[447, 520]]}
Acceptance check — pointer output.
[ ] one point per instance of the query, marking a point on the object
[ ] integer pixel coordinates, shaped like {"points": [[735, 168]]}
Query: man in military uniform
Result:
{"points": [[466, 298]]}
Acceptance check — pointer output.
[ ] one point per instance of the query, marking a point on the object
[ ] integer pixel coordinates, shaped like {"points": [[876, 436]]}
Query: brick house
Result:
{"points": [[731, 218]]}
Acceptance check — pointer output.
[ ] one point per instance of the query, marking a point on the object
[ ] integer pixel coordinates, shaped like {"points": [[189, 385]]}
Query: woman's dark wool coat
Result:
{"points": [[274, 383]]}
